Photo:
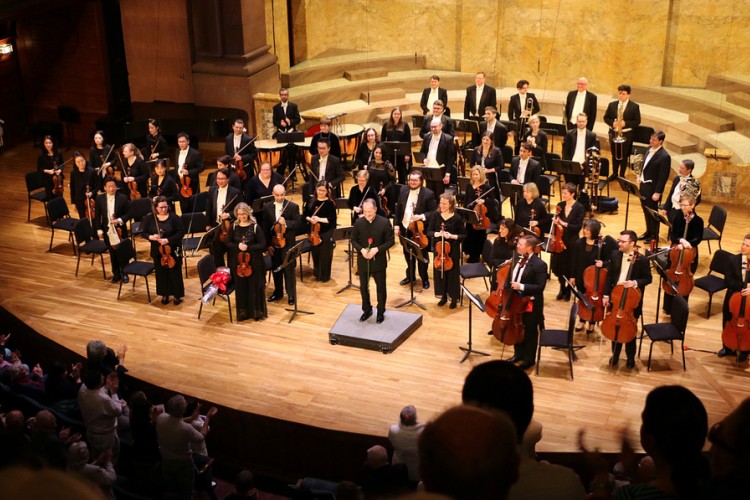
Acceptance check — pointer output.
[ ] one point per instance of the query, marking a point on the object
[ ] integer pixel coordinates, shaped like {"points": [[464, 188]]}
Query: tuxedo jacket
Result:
{"points": [[291, 216], [500, 137], [445, 119], [515, 106], [668, 201], [589, 107], [631, 115], [641, 272], [380, 232], [292, 113], [334, 174], [445, 150], [656, 173], [101, 221], [426, 204], [248, 153], [534, 280], [489, 98], [733, 276], [234, 196], [234, 180], [533, 170], [427, 106], [571, 141], [194, 165]]}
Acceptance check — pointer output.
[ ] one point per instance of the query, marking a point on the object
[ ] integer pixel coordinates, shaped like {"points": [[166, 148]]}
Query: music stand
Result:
{"points": [[630, 188], [660, 219], [206, 240], [415, 254], [662, 277], [568, 168], [287, 137], [259, 202], [345, 233], [513, 192], [290, 259], [581, 297], [396, 148], [470, 216], [433, 177], [472, 300], [467, 125]]}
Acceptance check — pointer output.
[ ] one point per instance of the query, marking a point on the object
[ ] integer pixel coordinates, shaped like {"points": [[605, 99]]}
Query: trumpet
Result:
{"points": [[618, 148], [524, 118]]}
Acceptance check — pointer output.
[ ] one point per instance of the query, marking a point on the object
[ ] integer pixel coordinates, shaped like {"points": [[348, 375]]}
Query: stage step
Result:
{"points": [[355, 75], [727, 84], [740, 99], [382, 118], [332, 67], [712, 121], [378, 95], [682, 145]]}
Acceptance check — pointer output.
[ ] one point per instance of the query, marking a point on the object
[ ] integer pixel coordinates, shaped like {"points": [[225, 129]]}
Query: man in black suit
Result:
{"points": [[478, 97], [652, 181], [326, 167], [414, 203], [371, 236], [577, 141], [737, 278], [325, 134], [671, 206], [439, 149], [438, 111], [617, 274], [285, 114], [631, 118], [432, 94], [524, 168], [518, 105], [491, 123], [222, 199], [188, 163], [580, 101], [239, 146], [112, 212], [286, 213]]}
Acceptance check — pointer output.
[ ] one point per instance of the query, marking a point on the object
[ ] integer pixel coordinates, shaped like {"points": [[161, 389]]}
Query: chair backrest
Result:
{"points": [[642, 134], [83, 232], [34, 180], [718, 217], [544, 186], [57, 208], [679, 313], [572, 321], [603, 167], [206, 267], [139, 208], [125, 252], [719, 262], [487, 251], [548, 157], [194, 222]]}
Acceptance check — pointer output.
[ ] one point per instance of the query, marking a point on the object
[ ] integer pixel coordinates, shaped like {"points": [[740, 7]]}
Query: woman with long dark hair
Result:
{"points": [[320, 213], [50, 162], [164, 228], [396, 130]]}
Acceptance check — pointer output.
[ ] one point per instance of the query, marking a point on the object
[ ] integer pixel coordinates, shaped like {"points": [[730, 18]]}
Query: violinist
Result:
{"points": [[490, 158], [165, 232], [415, 203], [50, 162], [101, 157], [440, 152], [262, 184], [583, 253], [683, 239], [537, 137], [189, 164], [111, 216], [236, 145], [326, 167], [525, 205], [83, 180], [570, 221], [320, 213], [447, 227], [365, 149], [156, 146], [281, 215], [737, 279], [325, 135], [382, 176], [359, 193], [224, 163], [617, 272], [222, 199], [397, 130], [504, 246], [476, 237], [529, 277], [246, 241], [163, 184], [134, 170]]}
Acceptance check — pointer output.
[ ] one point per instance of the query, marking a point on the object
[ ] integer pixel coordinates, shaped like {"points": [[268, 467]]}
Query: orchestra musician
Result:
{"points": [[285, 113], [439, 151], [535, 136], [492, 124], [478, 97], [262, 185], [525, 205], [447, 226], [98, 153], [327, 168], [577, 141], [50, 162], [475, 238], [83, 180], [156, 146], [504, 246], [321, 210], [382, 175], [683, 183], [529, 277], [225, 163], [134, 170], [163, 184], [397, 130], [438, 112], [433, 93], [414, 203], [285, 213], [583, 254], [364, 152], [325, 135], [617, 272], [358, 193], [580, 101], [237, 148], [524, 168], [222, 199], [570, 219], [189, 163], [692, 239], [246, 237], [652, 180], [371, 238], [112, 212], [165, 228], [490, 157], [737, 279], [518, 107], [631, 118]]}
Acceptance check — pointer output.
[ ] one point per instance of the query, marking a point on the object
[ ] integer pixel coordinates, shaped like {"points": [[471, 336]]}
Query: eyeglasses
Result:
{"points": [[163, 207], [713, 438]]}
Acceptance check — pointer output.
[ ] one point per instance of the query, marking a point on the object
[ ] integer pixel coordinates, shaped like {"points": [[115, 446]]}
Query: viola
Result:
{"points": [[443, 261], [186, 191], [507, 325], [417, 230], [736, 333], [132, 185], [620, 324], [593, 282], [166, 256], [239, 168], [680, 264], [57, 180], [536, 229], [555, 243], [90, 205], [384, 203], [244, 270]]}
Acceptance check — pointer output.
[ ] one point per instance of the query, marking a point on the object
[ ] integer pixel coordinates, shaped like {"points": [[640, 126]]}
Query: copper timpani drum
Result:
{"points": [[271, 151], [350, 135]]}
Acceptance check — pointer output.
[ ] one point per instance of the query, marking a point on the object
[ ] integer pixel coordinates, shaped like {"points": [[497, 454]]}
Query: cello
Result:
{"points": [[417, 230], [736, 333], [555, 243], [507, 325], [680, 264], [620, 325], [594, 279], [443, 260]]}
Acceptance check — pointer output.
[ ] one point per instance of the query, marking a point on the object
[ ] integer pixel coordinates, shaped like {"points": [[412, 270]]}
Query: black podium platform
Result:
{"points": [[385, 337]]}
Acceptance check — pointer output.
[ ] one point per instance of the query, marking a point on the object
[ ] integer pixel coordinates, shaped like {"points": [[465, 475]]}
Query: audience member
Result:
{"points": [[348, 490], [22, 482], [403, 437], [244, 487], [104, 359], [100, 408], [379, 478], [143, 429], [46, 442], [101, 472], [729, 455]]}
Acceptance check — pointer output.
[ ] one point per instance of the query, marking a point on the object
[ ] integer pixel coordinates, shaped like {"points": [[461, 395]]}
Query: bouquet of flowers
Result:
{"points": [[217, 284]]}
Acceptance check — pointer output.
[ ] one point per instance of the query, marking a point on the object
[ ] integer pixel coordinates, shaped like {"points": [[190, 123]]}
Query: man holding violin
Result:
{"points": [[238, 145], [285, 213], [189, 166], [737, 278], [112, 214], [219, 209], [415, 204]]}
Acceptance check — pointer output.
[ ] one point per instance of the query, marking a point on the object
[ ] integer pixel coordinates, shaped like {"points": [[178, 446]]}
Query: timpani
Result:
{"points": [[350, 135], [271, 151]]}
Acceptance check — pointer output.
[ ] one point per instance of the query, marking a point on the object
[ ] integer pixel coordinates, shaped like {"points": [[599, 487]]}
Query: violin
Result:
{"points": [[384, 203], [620, 324], [164, 250], [680, 264], [132, 185], [736, 333], [239, 168], [417, 230], [278, 240], [90, 205], [110, 168], [57, 179], [314, 235], [443, 260], [244, 270], [593, 281], [555, 243], [509, 305], [226, 225], [481, 210], [536, 229], [186, 191]]}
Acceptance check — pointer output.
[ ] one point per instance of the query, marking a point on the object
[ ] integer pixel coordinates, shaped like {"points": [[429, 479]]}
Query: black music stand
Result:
{"points": [[513, 192], [660, 219], [630, 188], [415, 254], [259, 202], [433, 177], [662, 277], [473, 299], [569, 168], [290, 259], [206, 240], [290, 138], [467, 126], [586, 303], [469, 215], [345, 233], [396, 149]]}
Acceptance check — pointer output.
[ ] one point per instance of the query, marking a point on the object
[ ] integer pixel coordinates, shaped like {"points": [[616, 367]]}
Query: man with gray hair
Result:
{"points": [[101, 472]]}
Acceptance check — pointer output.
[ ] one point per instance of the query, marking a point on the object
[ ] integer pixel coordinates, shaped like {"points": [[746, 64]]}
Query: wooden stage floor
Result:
{"points": [[291, 372]]}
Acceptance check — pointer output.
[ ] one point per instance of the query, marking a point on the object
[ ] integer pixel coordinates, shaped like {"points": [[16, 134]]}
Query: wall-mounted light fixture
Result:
{"points": [[6, 48]]}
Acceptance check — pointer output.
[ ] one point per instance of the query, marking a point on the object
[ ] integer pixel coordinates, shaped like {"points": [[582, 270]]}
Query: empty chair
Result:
{"points": [[559, 339], [36, 191], [130, 266], [60, 219], [86, 244], [207, 267], [712, 283], [137, 211], [477, 269], [715, 229], [669, 332]]}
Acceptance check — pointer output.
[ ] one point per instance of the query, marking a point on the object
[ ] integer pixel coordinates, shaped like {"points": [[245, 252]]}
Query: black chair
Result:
{"points": [[126, 258], [603, 174], [36, 191], [477, 269], [60, 219], [715, 229], [306, 247], [551, 176], [86, 244], [559, 339], [711, 283], [206, 267], [545, 190], [195, 224], [669, 332], [137, 211], [643, 134], [200, 201]]}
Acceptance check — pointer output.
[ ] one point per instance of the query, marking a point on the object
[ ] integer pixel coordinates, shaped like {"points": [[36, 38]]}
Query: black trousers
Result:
{"points": [[526, 350], [287, 274], [421, 266], [364, 289], [652, 226], [620, 166]]}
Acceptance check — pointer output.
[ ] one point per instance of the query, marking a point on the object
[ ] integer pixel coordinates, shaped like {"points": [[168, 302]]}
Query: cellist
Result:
{"points": [[415, 203], [617, 272], [685, 239], [737, 278]]}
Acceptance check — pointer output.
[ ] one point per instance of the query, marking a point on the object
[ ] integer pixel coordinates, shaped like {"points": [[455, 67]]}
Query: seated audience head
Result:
{"points": [[377, 457], [408, 416], [244, 483], [78, 455], [730, 446], [175, 406]]}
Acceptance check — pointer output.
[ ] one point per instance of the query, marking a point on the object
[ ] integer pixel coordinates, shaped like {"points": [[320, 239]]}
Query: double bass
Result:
{"points": [[417, 230], [620, 324], [680, 263], [594, 279], [736, 333], [443, 261], [506, 305]]}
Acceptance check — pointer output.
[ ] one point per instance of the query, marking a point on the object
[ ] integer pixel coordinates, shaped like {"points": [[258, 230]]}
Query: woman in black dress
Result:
{"points": [[382, 177], [445, 225], [359, 192], [537, 137], [163, 184], [396, 130], [490, 158], [570, 218], [504, 246], [475, 238], [50, 162], [682, 239], [134, 169], [524, 218], [321, 211], [100, 152], [83, 180], [156, 146], [367, 146], [246, 237], [164, 228]]}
